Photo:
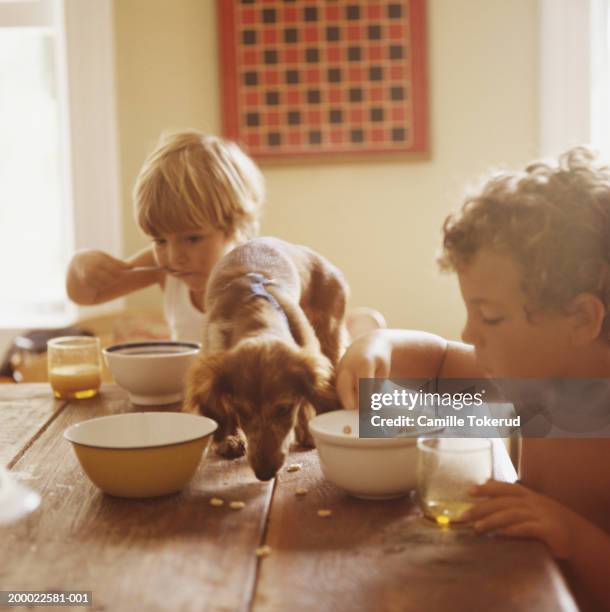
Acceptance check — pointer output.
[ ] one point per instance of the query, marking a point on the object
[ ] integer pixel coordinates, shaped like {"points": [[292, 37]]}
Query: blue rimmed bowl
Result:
{"points": [[152, 373]]}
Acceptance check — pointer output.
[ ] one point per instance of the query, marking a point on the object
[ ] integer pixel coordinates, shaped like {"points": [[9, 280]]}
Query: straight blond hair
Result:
{"points": [[194, 180]]}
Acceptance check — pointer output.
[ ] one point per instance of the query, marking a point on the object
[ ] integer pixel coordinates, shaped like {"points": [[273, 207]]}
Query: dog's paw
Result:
{"points": [[232, 447], [302, 437], [295, 447]]}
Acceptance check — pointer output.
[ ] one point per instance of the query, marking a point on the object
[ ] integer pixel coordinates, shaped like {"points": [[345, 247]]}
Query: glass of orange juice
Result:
{"points": [[74, 366], [446, 469]]}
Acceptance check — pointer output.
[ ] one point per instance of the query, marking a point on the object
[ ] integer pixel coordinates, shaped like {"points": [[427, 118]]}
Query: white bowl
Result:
{"points": [[152, 373], [367, 468], [141, 454]]}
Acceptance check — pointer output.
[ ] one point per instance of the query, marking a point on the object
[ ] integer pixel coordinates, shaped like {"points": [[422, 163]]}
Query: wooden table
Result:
{"points": [[180, 553]]}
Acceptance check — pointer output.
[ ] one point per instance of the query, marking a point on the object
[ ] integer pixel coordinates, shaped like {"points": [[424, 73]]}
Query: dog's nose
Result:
{"points": [[265, 473]]}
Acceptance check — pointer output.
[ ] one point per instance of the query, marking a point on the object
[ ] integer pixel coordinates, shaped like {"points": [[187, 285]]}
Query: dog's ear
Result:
{"points": [[208, 388], [313, 377]]}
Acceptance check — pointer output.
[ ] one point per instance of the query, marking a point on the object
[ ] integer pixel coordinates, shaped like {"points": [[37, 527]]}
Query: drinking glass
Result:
{"points": [[16, 500], [74, 366], [446, 469]]}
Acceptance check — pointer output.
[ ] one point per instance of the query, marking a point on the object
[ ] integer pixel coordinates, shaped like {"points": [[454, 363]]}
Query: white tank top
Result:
{"points": [[184, 320]]}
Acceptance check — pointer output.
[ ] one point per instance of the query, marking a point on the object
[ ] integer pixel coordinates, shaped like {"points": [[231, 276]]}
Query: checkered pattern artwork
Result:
{"points": [[315, 77]]}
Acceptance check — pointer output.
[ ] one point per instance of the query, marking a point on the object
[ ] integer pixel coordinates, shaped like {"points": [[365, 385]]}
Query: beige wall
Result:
{"points": [[378, 220]]}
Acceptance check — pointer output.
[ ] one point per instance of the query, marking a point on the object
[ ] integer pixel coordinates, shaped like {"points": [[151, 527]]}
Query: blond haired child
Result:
{"points": [[196, 197], [532, 255]]}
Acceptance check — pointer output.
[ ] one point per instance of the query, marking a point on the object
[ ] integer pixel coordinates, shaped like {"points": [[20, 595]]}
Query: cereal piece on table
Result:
{"points": [[236, 505], [347, 429], [216, 501], [301, 491], [295, 467], [263, 551], [325, 513]]}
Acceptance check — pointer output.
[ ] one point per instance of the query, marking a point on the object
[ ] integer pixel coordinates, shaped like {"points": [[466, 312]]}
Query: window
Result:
{"points": [[33, 216], [574, 75], [600, 76], [58, 162]]}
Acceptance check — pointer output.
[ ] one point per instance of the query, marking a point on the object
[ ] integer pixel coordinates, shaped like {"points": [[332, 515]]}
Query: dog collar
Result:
{"points": [[258, 282]]}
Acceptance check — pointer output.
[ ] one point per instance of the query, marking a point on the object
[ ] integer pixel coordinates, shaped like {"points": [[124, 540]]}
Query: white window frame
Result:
{"points": [[574, 76], [86, 82], [565, 75], [600, 79]]}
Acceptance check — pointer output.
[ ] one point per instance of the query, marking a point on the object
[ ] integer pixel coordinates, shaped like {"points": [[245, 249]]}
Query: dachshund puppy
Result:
{"points": [[273, 335]]}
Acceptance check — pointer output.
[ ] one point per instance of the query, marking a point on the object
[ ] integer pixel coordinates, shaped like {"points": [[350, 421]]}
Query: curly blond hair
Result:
{"points": [[195, 180], [552, 219]]}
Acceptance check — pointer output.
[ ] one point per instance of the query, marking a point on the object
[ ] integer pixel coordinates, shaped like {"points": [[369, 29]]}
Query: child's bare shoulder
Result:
{"points": [[460, 362]]}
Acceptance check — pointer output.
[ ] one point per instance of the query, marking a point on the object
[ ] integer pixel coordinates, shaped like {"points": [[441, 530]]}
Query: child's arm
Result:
{"points": [[401, 353], [95, 277], [516, 511]]}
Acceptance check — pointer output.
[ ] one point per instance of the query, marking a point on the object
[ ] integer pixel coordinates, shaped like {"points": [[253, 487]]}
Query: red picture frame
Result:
{"points": [[320, 78]]}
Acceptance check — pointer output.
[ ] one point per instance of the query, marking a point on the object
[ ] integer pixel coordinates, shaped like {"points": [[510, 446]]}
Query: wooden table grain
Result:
{"points": [[180, 553]]}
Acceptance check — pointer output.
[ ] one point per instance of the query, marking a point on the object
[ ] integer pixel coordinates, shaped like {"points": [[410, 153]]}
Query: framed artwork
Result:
{"points": [[324, 77]]}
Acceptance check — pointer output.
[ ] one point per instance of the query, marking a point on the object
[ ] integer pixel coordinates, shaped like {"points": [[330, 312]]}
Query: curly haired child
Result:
{"points": [[532, 255]]}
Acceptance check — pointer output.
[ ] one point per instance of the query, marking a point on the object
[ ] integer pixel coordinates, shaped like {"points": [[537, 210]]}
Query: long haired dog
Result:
{"points": [[273, 335]]}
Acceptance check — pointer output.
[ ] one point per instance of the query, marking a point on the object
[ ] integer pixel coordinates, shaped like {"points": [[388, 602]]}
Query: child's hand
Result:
{"points": [[98, 270], [95, 277], [370, 356], [92, 273], [516, 511]]}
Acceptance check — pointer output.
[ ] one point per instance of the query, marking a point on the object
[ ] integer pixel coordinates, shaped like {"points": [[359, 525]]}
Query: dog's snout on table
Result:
{"points": [[266, 473], [265, 476], [267, 447]]}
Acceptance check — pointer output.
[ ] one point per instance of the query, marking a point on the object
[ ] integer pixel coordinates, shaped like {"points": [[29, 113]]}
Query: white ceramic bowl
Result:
{"points": [[141, 454], [151, 372], [367, 468]]}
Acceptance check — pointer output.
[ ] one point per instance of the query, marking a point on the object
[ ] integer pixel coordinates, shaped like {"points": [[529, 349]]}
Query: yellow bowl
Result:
{"points": [[141, 454]]}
